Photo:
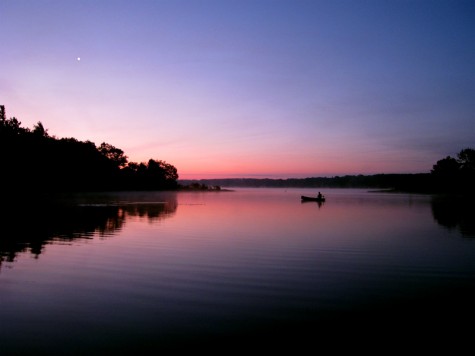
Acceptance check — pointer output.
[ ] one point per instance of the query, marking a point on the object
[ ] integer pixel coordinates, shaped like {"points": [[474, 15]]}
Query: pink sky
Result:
{"points": [[250, 88]]}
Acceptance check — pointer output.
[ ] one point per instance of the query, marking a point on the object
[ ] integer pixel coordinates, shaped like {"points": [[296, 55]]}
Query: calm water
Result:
{"points": [[132, 273]]}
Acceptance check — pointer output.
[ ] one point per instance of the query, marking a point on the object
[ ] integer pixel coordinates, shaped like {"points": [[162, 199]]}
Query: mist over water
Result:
{"points": [[127, 272]]}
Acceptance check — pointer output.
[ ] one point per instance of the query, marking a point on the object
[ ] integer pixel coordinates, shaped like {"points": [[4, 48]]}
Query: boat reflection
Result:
{"points": [[320, 199], [28, 228]]}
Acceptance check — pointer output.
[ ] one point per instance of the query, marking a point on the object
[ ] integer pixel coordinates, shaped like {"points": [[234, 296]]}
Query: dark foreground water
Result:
{"points": [[252, 269]]}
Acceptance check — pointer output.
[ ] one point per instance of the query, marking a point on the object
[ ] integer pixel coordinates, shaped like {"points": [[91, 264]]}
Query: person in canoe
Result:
{"points": [[320, 198]]}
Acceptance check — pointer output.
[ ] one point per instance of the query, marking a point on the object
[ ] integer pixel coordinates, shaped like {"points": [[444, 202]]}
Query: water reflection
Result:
{"points": [[455, 213], [30, 227], [309, 202], [232, 267]]}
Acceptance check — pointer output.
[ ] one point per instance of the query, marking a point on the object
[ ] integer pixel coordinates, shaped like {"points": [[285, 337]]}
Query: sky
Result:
{"points": [[248, 88]]}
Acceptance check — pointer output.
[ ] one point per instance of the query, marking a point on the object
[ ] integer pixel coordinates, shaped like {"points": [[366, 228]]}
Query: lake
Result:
{"points": [[248, 269]]}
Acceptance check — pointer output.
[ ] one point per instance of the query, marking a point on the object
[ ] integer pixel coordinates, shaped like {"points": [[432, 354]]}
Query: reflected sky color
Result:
{"points": [[239, 264], [248, 88]]}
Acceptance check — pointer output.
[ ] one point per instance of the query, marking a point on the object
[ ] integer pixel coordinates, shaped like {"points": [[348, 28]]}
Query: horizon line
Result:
{"points": [[306, 177]]}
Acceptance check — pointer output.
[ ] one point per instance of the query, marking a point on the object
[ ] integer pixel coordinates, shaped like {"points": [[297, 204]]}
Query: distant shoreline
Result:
{"points": [[417, 183], [376, 181]]}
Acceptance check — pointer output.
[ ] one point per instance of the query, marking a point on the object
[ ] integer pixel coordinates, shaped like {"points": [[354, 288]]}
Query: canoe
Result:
{"points": [[305, 198]]}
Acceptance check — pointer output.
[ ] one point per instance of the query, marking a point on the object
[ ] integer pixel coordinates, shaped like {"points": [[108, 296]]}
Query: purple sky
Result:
{"points": [[257, 88]]}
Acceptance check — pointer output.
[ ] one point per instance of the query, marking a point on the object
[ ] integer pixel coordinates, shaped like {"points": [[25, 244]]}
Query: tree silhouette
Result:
{"points": [[466, 159], [34, 161], [114, 154], [11, 126], [446, 166], [39, 130], [456, 175], [151, 175]]}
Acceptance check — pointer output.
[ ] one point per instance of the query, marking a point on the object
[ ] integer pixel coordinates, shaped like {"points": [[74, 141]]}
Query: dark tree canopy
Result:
{"points": [[466, 159], [455, 175], [148, 175], [113, 153], [32, 160], [464, 163], [39, 130], [446, 166]]}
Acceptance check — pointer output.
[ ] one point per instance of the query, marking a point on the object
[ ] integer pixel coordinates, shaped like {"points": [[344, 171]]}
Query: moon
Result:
{"points": [[79, 59]]}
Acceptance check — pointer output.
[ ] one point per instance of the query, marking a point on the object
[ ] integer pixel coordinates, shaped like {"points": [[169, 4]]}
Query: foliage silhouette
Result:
{"points": [[114, 154], [448, 175], [32, 160], [455, 175]]}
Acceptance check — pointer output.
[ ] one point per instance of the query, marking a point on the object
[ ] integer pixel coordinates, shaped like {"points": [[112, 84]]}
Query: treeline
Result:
{"points": [[381, 181], [449, 175], [32, 160], [455, 174]]}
